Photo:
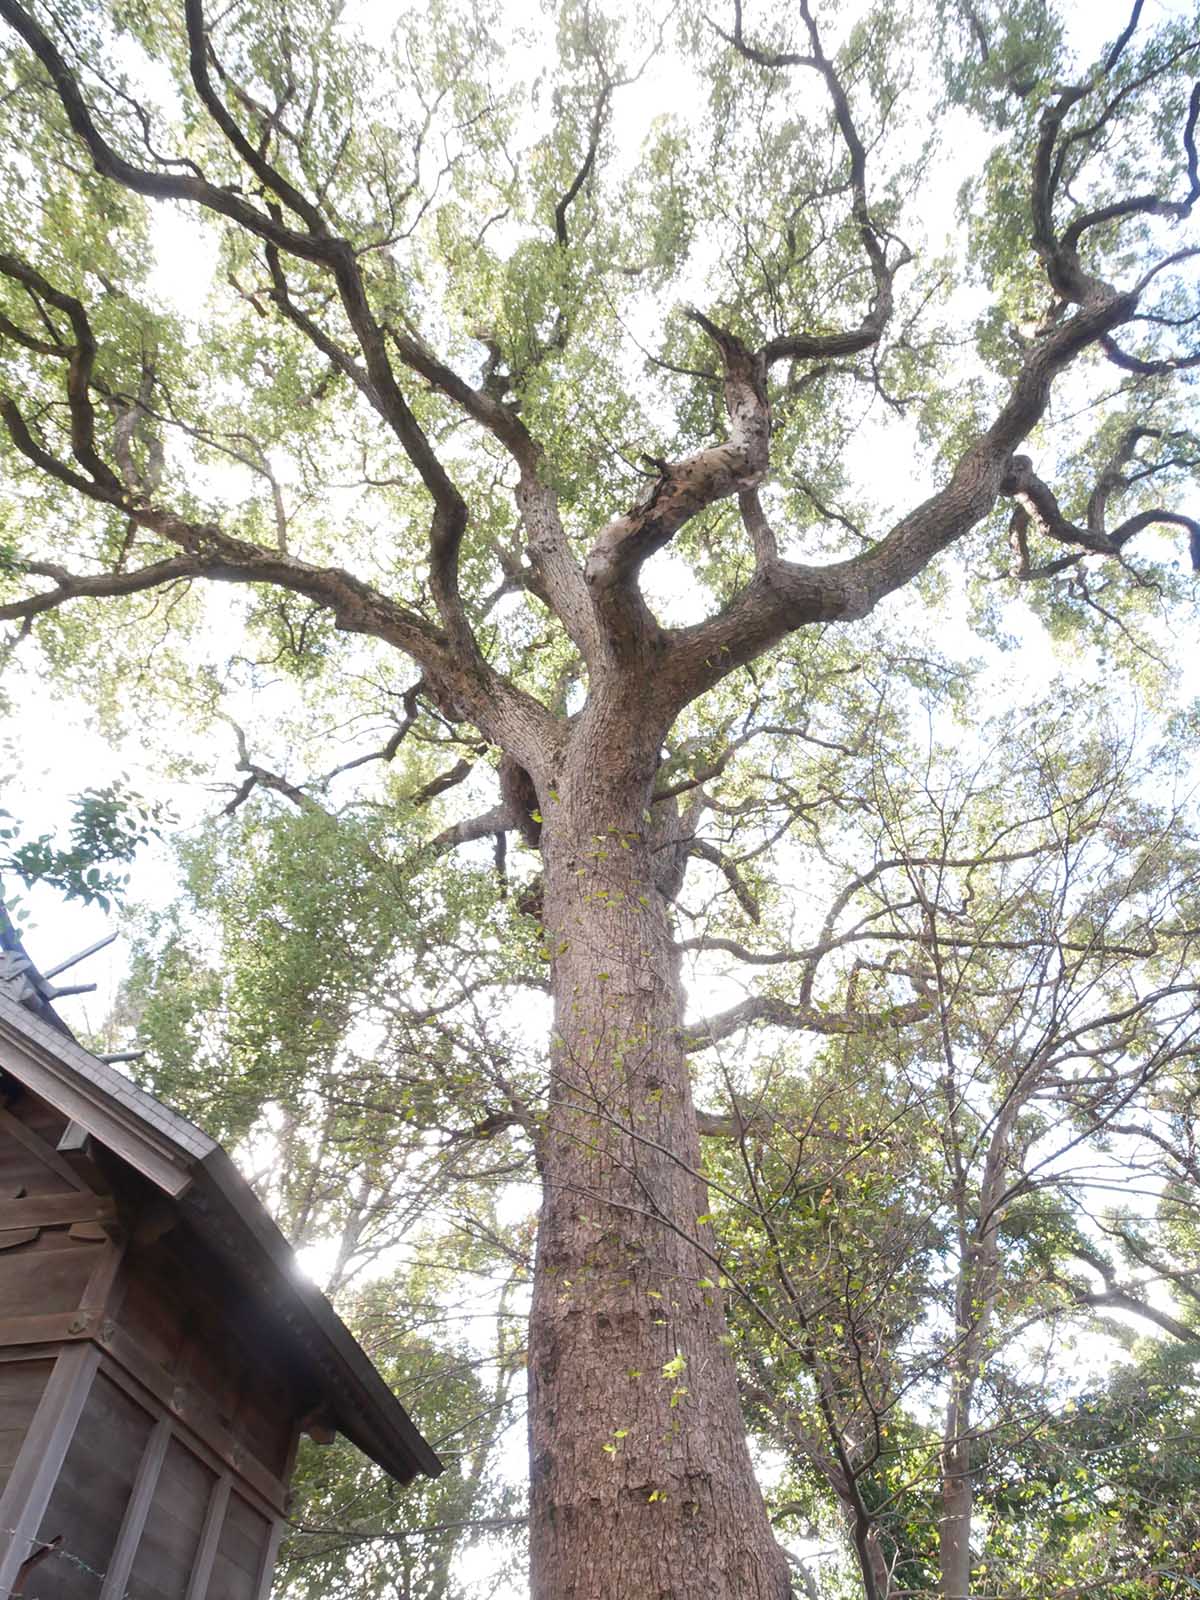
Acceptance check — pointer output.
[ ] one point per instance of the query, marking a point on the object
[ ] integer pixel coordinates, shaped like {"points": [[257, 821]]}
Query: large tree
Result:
{"points": [[447, 339]]}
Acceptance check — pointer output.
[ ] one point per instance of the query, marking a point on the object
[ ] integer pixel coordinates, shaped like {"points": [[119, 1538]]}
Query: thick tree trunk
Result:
{"points": [[641, 1483]]}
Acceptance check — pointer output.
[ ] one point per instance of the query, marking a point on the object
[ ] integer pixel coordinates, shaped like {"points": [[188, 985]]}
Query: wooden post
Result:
{"points": [[206, 1551], [23, 1503], [266, 1569], [136, 1512]]}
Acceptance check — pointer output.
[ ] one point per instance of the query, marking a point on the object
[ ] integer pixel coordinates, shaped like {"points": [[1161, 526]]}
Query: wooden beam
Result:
{"points": [[25, 1352], [108, 1263], [194, 1418], [134, 1521], [51, 1327], [319, 1425], [23, 1503], [210, 1538], [135, 1127], [266, 1570], [155, 1220], [75, 1141], [55, 1210], [82, 955], [78, 1150], [88, 1320], [38, 1147], [12, 1237]]}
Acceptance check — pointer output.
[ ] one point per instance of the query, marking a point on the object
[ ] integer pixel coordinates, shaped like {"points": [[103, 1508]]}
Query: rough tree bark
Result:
{"points": [[640, 1472]]}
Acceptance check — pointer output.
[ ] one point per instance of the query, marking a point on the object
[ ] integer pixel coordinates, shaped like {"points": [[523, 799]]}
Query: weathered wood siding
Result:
{"points": [[93, 1489], [181, 1323], [237, 1572], [166, 1556], [174, 1474], [21, 1385]]}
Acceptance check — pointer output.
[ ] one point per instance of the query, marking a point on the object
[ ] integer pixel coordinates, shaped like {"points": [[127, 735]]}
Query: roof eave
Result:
{"points": [[182, 1162], [229, 1217]]}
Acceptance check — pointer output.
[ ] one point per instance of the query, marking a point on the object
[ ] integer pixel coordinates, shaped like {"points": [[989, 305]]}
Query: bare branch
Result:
{"points": [[1039, 505], [101, 585], [807, 346], [156, 185], [785, 595], [679, 491], [778, 1013], [586, 165]]}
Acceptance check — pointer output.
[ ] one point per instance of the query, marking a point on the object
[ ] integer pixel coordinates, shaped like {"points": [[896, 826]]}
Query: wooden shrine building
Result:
{"points": [[160, 1353]]}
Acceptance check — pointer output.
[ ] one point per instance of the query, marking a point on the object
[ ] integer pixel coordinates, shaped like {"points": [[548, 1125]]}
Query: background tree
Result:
{"points": [[411, 410], [914, 1221]]}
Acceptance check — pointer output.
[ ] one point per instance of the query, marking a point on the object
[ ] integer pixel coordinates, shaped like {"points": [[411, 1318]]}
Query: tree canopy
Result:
{"points": [[655, 550]]}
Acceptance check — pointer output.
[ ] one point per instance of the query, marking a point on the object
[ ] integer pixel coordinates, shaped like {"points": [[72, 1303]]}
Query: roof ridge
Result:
{"points": [[20, 977]]}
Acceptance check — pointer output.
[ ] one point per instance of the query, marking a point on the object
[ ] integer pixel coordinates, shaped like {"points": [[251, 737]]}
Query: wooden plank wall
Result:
{"points": [[42, 1452], [136, 1514], [54, 1229], [173, 1441], [180, 1318], [92, 1493], [21, 1385], [167, 1554]]}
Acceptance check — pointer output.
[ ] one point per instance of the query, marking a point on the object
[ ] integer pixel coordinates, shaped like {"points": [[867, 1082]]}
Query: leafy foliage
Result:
{"points": [[107, 829]]}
